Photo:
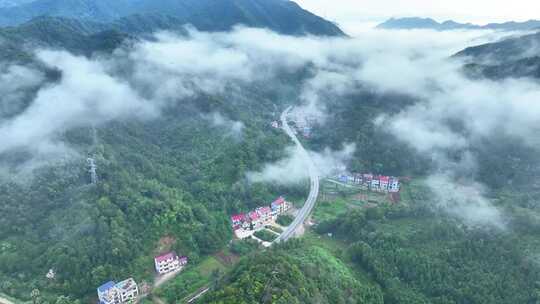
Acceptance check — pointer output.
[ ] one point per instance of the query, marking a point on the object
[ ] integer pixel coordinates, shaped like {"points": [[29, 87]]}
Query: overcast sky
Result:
{"points": [[358, 13]]}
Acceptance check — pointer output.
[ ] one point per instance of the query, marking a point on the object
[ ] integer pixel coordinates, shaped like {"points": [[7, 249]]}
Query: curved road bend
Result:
{"points": [[314, 181]]}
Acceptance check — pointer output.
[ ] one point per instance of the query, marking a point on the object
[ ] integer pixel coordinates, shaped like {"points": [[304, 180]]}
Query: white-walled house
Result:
{"points": [[126, 291], [375, 183], [394, 185], [169, 262]]}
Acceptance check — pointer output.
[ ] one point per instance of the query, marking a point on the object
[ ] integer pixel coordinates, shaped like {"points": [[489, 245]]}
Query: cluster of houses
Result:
{"points": [[378, 183], [260, 217], [127, 291]]}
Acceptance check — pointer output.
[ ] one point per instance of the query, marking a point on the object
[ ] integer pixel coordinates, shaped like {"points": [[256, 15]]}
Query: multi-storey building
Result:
{"points": [[280, 206], [169, 262], [121, 293], [394, 185]]}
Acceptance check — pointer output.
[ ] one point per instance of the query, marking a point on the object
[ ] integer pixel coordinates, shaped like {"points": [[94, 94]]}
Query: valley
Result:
{"points": [[143, 145]]}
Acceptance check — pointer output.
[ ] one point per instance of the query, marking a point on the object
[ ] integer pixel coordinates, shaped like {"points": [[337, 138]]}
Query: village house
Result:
{"points": [[255, 220], [374, 185], [383, 183], [394, 185], [367, 178], [239, 221], [280, 206], [113, 293], [169, 262], [265, 214]]}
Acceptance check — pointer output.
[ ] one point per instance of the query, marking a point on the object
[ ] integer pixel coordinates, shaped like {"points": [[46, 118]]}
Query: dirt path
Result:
{"points": [[198, 295], [160, 280]]}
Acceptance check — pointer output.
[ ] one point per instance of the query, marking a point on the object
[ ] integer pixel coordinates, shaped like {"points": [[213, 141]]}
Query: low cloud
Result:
{"points": [[465, 200], [85, 95], [230, 128], [15, 84], [140, 81], [293, 168]]}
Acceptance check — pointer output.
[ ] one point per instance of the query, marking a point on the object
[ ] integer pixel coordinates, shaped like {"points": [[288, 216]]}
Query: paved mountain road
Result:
{"points": [[314, 184]]}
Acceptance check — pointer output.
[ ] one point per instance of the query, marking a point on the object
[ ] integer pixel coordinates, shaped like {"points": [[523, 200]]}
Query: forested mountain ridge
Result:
{"points": [[282, 16], [512, 57]]}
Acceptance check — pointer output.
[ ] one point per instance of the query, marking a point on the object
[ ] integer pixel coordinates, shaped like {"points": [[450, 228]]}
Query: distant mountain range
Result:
{"points": [[282, 16], [428, 23]]}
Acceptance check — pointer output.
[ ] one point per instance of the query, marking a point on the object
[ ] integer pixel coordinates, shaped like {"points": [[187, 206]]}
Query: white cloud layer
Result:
{"points": [[170, 68], [294, 168]]}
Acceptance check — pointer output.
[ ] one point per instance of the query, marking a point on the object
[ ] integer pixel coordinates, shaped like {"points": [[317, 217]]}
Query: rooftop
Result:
{"points": [[238, 217], [106, 286], [166, 256], [279, 201], [126, 284]]}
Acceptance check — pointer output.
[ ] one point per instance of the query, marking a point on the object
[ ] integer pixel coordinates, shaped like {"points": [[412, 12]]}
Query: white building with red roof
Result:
{"points": [[394, 185], [383, 183], [265, 214], [239, 221], [255, 219], [280, 206], [169, 262]]}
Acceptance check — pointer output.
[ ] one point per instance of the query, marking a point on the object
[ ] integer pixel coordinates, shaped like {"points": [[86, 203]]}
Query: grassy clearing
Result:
{"points": [[191, 280], [326, 210]]}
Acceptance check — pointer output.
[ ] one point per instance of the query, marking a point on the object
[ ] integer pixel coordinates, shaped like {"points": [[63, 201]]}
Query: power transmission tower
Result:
{"points": [[92, 168]]}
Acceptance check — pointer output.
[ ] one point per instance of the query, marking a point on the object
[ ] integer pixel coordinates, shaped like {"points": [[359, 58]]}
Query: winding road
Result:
{"points": [[314, 181], [303, 214]]}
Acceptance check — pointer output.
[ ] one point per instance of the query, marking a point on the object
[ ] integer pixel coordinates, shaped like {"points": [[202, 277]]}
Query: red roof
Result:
{"points": [[384, 179], [253, 215], [264, 210], [279, 201], [238, 217], [166, 256]]}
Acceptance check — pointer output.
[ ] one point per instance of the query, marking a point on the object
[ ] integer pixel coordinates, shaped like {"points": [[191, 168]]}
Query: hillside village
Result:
{"points": [[245, 224]]}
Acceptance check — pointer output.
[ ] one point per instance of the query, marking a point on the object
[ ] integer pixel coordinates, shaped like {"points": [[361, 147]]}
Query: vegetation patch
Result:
{"points": [[190, 280], [265, 235], [275, 229], [285, 219], [292, 273], [245, 246]]}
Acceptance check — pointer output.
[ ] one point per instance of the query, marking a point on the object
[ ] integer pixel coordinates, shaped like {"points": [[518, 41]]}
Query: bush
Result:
{"points": [[285, 220], [244, 247]]}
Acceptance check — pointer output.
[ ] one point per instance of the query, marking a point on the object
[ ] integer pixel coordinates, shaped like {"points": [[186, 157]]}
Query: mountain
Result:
{"points": [[61, 33], [513, 57], [283, 16], [428, 23]]}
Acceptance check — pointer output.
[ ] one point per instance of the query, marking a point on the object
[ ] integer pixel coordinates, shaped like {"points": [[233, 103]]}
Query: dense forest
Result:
{"points": [[179, 177]]}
